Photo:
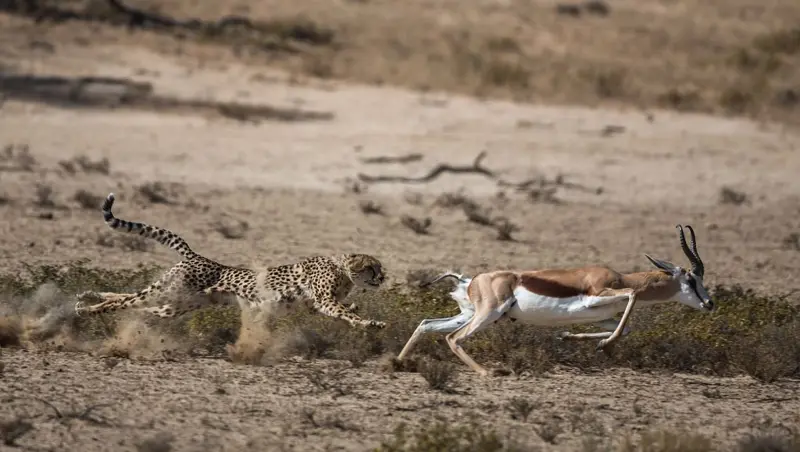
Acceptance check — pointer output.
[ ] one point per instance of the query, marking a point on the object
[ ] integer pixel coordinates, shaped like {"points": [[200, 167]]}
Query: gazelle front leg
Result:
{"points": [[624, 320], [609, 325]]}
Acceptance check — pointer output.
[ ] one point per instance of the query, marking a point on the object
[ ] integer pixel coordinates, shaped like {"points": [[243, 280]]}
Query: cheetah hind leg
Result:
{"points": [[112, 301], [199, 300], [92, 296], [206, 297], [101, 301]]}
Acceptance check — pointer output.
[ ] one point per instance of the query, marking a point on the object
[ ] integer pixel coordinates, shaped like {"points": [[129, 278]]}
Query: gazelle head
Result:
{"points": [[692, 292]]}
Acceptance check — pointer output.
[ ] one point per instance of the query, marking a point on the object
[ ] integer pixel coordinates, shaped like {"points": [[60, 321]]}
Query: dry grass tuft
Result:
{"points": [[438, 374], [419, 226], [442, 436], [88, 200], [667, 441], [771, 441], [748, 333], [10, 331]]}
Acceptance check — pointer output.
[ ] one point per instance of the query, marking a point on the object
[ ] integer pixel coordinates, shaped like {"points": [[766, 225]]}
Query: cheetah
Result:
{"points": [[196, 281]]}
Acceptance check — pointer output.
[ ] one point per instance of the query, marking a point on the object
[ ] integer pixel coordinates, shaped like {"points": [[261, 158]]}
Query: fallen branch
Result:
{"points": [[475, 168], [83, 415], [543, 182], [121, 14], [407, 158]]}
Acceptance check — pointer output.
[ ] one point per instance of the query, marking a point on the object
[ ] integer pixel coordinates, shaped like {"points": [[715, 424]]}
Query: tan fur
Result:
{"points": [[565, 296], [492, 294]]}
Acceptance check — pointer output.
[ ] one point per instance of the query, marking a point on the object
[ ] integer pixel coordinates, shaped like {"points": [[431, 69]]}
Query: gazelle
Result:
{"points": [[559, 297]]}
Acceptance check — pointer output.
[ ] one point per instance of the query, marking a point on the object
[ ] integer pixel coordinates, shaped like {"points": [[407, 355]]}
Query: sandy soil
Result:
{"points": [[211, 405], [292, 183]]}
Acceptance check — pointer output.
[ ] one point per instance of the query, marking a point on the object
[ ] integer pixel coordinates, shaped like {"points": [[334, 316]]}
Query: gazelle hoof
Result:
{"points": [[501, 372], [79, 308]]}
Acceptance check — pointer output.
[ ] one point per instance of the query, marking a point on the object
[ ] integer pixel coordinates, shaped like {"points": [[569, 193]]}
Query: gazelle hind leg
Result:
{"points": [[442, 325], [483, 317]]}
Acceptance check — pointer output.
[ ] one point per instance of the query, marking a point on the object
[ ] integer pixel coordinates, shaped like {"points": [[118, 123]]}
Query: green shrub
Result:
{"points": [[443, 437], [748, 332]]}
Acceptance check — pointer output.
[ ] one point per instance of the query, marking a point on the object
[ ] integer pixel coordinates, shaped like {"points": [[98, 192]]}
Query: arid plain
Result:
{"points": [[259, 159]]}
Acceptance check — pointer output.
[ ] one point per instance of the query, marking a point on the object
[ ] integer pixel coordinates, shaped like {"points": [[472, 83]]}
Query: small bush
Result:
{"points": [[782, 41], [748, 333], [87, 200], [668, 441], [770, 442], [610, 84], [445, 437], [736, 99], [728, 195], [520, 408], [438, 374]]}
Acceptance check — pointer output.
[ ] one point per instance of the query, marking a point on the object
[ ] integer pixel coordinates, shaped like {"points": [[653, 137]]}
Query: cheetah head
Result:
{"points": [[364, 270]]}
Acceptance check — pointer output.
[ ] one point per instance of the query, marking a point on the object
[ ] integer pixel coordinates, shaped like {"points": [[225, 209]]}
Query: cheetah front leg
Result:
{"points": [[326, 304]]}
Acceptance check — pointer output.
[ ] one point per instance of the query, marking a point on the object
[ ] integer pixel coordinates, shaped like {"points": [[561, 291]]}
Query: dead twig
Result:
{"points": [[475, 168], [83, 415], [407, 158], [541, 182]]}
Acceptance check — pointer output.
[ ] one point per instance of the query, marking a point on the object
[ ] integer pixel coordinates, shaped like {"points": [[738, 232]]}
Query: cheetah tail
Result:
{"points": [[457, 276], [163, 236]]}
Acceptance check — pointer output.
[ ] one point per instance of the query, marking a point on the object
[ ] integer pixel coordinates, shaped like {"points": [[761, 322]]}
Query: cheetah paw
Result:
{"points": [[375, 324], [352, 308], [88, 295]]}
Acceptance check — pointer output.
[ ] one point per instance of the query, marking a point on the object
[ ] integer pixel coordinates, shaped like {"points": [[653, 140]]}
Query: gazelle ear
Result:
{"points": [[663, 265]]}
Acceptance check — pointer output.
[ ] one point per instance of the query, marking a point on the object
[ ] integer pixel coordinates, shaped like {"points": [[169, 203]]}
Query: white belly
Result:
{"points": [[535, 309], [459, 294]]}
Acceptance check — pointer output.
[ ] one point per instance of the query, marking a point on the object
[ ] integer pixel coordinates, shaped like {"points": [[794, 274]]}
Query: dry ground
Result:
{"points": [[212, 405], [270, 191]]}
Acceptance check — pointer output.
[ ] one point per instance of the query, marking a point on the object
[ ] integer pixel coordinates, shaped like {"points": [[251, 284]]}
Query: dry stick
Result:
{"points": [[135, 17], [406, 158], [85, 415], [476, 168]]}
